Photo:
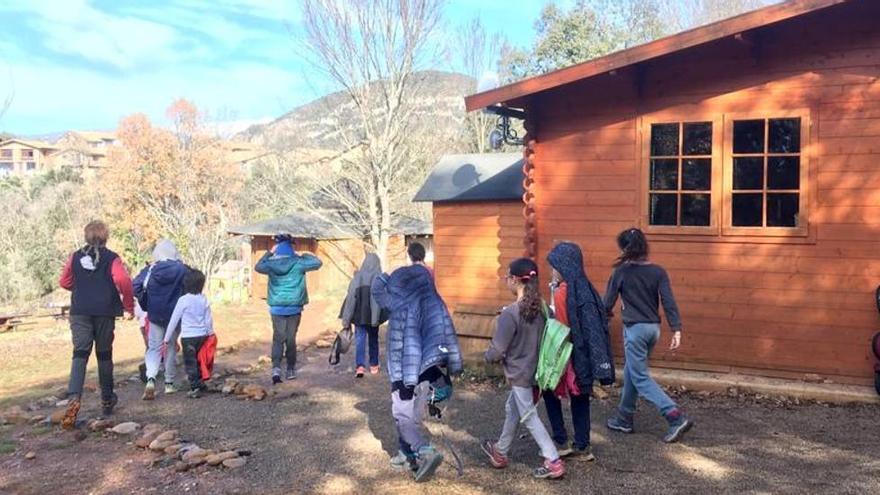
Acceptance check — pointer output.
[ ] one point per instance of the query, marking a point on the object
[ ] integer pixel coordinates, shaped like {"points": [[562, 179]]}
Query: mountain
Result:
{"points": [[321, 123]]}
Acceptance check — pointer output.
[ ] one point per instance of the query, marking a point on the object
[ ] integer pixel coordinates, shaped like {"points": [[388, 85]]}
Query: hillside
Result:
{"points": [[321, 123]]}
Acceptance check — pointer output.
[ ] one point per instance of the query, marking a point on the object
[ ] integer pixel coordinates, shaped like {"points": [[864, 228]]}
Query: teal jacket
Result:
{"points": [[287, 280]]}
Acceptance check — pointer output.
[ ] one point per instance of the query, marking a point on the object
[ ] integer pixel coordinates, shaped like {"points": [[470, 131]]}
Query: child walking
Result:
{"points": [[516, 344], [641, 284], [193, 313], [361, 310]]}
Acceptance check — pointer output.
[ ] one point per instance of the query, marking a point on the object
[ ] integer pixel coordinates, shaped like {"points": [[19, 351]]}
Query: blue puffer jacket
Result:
{"points": [[591, 356], [420, 331], [287, 277], [164, 288]]}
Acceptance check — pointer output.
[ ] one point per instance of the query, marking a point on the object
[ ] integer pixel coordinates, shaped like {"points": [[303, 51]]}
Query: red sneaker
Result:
{"points": [[550, 469], [360, 372], [497, 459]]}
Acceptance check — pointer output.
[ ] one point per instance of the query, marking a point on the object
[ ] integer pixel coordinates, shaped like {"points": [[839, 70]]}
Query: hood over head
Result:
{"points": [[567, 259], [165, 250]]}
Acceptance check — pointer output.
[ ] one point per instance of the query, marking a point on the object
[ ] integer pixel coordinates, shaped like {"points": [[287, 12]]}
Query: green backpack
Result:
{"points": [[554, 353]]}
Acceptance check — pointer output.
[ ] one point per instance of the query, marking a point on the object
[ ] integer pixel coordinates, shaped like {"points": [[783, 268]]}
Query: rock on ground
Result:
{"points": [[126, 428], [217, 459], [235, 462]]}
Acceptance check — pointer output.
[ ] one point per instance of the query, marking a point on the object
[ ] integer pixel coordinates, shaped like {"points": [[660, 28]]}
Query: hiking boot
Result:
{"points": [[149, 390], [108, 405], [291, 374], [550, 469], [142, 372], [427, 462], [679, 424], [69, 419], [194, 394], [619, 423], [374, 370], [170, 388], [402, 461], [563, 449], [496, 459]]}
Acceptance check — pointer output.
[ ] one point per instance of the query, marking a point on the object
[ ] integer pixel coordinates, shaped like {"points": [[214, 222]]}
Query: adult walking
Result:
{"points": [[642, 286], [100, 291], [288, 296], [361, 310], [579, 306], [158, 287]]}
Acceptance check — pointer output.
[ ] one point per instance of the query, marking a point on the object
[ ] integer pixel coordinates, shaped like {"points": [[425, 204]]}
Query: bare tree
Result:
{"points": [[480, 54], [372, 49]]}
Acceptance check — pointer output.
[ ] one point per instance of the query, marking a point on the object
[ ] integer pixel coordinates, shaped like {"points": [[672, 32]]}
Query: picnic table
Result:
{"points": [[10, 321]]}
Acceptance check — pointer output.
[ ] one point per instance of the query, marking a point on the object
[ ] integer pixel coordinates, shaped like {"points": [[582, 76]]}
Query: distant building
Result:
{"points": [[83, 149], [23, 157]]}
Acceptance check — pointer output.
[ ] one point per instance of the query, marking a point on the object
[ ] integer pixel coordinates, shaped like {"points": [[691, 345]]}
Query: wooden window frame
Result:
{"points": [[805, 190], [644, 202]]}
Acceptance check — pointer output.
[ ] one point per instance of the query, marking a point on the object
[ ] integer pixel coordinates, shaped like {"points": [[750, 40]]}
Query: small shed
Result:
{"points": [[341, 249], [478, 231], [748, 150]]}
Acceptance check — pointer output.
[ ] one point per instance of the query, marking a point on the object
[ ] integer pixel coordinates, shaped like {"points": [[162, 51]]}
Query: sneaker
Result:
{"points": [[402, 461], [427, 462], [291, 374], [359, 373], [150, 390], [619, 423], [69, 419], [679, 424], [584, 454], [170, 388], [550, 469], [194, 394], [276, 379], [496, 459], [374, 370], [108, 405]]}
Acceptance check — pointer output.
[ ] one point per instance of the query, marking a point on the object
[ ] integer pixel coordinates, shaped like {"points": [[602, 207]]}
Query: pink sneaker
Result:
{"points": [[551, 469], [497, 459]]}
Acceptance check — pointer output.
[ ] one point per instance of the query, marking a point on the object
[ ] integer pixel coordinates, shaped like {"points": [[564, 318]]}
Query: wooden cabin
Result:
{"points": [[341, 249], [478, 217], [749, 151]]}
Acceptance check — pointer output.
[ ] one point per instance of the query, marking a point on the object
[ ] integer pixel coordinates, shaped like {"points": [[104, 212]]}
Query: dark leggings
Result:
{"points": [[580, 418], [191, 348]]}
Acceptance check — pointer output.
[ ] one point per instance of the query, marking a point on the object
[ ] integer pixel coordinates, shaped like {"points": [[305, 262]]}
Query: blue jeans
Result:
{"points": [[638, 341], [580, 418], [361, 335]]}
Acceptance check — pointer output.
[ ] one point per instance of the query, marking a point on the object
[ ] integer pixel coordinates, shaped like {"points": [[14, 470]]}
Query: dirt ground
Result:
{"points": [[327, 432]]}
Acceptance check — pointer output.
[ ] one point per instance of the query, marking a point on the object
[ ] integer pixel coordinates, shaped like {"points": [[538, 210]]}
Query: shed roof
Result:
{"points": [[310, 225], [474, 177], [658, 48]]}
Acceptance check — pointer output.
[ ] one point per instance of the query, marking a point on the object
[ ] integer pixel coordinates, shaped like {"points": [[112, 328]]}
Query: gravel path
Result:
{"points": [[329, 433]]}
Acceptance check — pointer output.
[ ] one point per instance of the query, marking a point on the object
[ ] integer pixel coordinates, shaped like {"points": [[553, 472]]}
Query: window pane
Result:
{"points": [[783, 172], [785, 135], [748, 136], [697, 138], [748, 173], [782, 210], [664, 139], [664, 209], [695, 209], [747, 210], [696, 174], [664, 175]]}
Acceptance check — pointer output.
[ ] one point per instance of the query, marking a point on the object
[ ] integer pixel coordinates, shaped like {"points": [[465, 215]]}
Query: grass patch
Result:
{"points": [[41, 430], [7, 447]]}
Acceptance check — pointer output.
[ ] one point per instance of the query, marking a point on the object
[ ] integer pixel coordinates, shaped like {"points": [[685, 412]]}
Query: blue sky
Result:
{"points": [[78, 64]]}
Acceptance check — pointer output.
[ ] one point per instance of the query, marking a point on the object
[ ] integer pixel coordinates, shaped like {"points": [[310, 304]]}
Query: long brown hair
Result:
{"points": [[525, 271]]}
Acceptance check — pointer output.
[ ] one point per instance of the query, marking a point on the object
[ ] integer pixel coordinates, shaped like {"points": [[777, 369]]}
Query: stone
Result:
{"points": [[160, 445], [90, 387], [196, 461], [217, 459], [323, 344], [167, 435], [39, 418], [153, 428], [264, 359], [145, 440], [100, 425], [181, 467], [30, 455], [15, 415], [194, 453], [62, 403], [599, 393], [229, 387], [254, 391], [126, 428], [174, 449], [239, 389], [56, 417], [235, 462]]}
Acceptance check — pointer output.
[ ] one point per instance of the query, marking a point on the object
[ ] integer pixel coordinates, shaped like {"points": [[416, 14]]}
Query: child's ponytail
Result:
{"points": [[525, 271], [633, 246]]}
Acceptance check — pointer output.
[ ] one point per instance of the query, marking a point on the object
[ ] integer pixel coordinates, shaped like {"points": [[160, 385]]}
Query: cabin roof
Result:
{"points": [[474, 177], [633, 56]]}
